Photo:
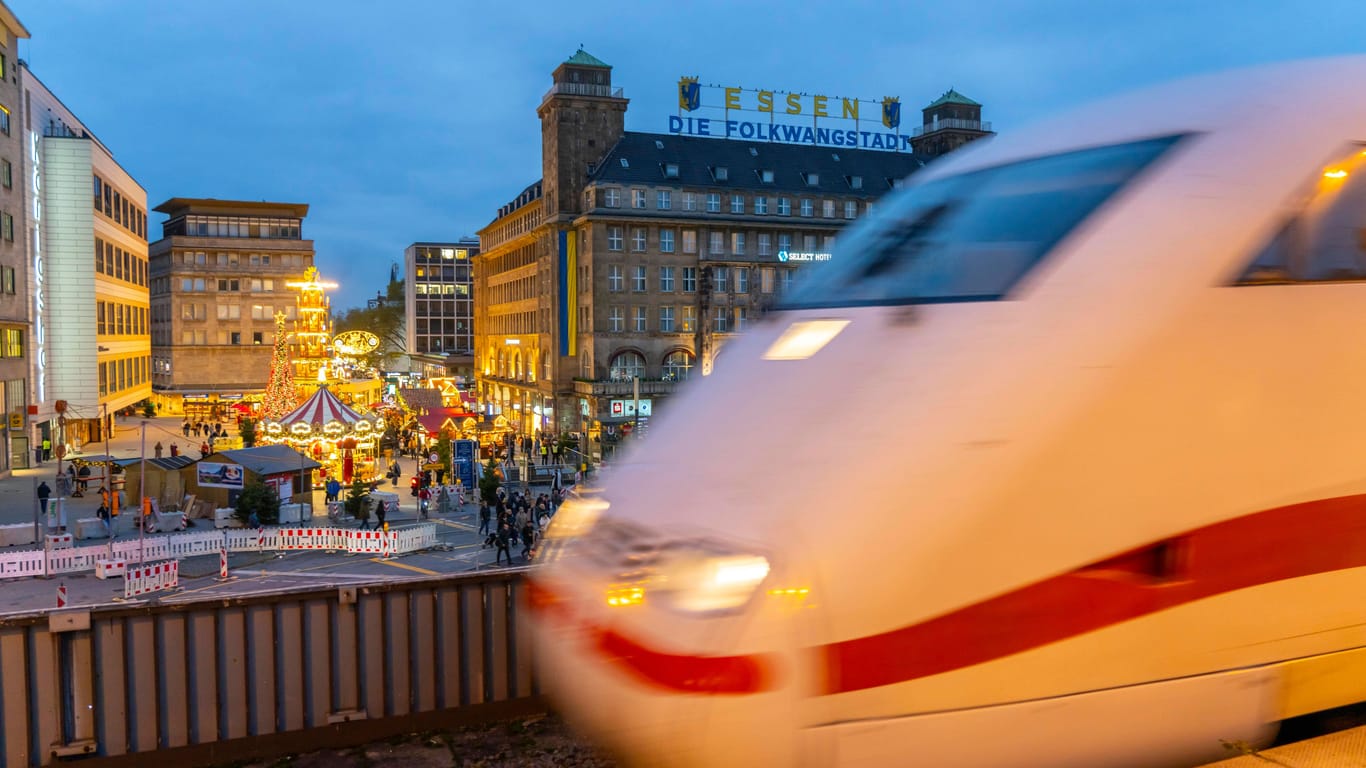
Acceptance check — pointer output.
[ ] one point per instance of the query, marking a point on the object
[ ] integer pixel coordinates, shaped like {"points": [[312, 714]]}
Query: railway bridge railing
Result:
{"points": [[245, 677]]}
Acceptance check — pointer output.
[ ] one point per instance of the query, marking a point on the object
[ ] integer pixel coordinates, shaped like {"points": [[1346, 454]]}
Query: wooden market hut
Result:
{"points": [[275, 465], [165, 480]]}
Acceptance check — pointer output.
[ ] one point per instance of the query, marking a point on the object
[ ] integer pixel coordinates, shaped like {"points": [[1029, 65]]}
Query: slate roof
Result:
{"points": [[587, 59], [266, 459], [952, 97], [167, 463], [647, 153]]}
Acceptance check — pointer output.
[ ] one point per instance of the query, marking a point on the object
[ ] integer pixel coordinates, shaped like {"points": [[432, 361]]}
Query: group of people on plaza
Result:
{"points": [[519, 519]]}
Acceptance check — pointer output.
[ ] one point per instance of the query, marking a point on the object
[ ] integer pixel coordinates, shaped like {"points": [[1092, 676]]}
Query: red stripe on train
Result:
{"points": [[682, 673], [1261, 548]]}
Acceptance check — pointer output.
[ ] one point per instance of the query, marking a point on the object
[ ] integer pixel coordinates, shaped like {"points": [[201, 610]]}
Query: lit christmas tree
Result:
{"points": [[279, 398]]}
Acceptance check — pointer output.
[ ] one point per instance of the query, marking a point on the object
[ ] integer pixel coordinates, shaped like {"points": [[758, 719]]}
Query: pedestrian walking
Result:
{"points": [[204, 449], [381, 512], [47, 449], [185, 427], [156, 449], [545, 454], [44, 493], [504, 543], [175, 449], [528, 539], [485, 515]]}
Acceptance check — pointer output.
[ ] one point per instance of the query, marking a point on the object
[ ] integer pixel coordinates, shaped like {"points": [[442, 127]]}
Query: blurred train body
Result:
{"points": [[1058, 462]]}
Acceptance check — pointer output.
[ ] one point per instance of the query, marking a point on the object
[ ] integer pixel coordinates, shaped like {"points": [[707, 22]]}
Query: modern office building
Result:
{"points": [[86, 232], [637, 255], [15, 331], [218, 278], [439, 307]]}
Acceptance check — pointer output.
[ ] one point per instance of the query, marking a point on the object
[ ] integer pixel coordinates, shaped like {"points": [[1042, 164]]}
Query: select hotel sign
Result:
{"points": [[835, 121]]}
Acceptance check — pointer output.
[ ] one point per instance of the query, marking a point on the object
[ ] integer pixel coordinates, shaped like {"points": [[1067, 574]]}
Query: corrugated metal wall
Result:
{"points": [[236, 678]]}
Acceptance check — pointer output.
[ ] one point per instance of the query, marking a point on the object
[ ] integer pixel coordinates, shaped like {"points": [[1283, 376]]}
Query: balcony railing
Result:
{"points": [[582, 89], [623, 388], [971, 125]]}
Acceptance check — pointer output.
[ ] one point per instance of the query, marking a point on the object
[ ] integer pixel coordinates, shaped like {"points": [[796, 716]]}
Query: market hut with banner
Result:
{"points": [[344, 441]]}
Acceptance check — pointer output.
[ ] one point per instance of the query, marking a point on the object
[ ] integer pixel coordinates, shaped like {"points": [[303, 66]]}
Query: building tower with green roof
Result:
{"points": [[582, 117], [949, 122]]}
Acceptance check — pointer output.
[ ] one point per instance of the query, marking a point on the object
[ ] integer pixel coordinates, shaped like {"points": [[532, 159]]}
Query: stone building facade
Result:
{"points": [[636, 256], [219, 275], [15, 329]]}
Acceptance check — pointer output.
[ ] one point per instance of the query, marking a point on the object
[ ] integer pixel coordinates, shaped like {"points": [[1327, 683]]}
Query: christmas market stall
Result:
{"points": [[219, 477], [343, 441]]}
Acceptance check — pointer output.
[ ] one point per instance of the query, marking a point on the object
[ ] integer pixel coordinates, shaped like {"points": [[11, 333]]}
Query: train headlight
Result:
{"points": [[702, 582]]}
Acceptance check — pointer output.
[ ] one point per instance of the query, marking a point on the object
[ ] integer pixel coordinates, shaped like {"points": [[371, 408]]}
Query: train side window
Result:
{"points": [[1324, 240]]}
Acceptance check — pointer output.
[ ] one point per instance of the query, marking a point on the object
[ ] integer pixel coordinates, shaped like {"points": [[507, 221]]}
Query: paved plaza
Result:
{"points": [[459, 549]]}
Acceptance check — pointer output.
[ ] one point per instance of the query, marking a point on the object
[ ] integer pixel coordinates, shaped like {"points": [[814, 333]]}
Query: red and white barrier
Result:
{"points": [[61, 595], [223, 564], [108, 569], [60, 541], [151, 578]]}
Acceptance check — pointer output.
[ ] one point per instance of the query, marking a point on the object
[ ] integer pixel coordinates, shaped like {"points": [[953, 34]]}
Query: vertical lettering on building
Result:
{"points": [[39, 308]]}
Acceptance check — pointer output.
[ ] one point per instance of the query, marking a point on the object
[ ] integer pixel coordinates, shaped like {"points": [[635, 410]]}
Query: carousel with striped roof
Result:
{"points": [[343, 440]]}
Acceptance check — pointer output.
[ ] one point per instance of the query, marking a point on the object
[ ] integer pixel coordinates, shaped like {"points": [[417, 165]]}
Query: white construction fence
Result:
{"points": [[106, 557]]}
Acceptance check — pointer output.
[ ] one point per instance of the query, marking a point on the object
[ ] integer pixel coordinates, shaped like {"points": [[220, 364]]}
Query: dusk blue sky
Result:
{"points": [[415, 119]]}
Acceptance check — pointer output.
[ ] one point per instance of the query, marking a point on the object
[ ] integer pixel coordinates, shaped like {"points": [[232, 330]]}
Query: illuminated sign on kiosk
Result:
{"points": [[788, 105], [39, 308]]}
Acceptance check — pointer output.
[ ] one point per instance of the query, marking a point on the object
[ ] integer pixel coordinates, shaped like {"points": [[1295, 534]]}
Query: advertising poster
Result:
{"points": [[219, 475]]}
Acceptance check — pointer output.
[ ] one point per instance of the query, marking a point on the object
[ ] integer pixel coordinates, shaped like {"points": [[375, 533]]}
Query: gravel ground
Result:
{"points": [[541, 741]]}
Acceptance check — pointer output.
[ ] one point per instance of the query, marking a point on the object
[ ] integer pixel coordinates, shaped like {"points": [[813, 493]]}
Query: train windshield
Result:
{"points": [[971, 237]]}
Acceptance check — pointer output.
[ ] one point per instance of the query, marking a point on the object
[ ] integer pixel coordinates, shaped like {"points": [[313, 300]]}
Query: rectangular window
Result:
{"points": [[615, 281], [737, 243], [7, 227], [850, 209], [638, 198], [785, 283], [721, 173], [766, 279], [720, 280], [100, 326], [689, 201], [765, 244], [856, 182], [784, 241], [6, 173], [690, 241], [737, 203], [257, 338], [612, 197], [690, 279], [666, 241], [808, 207], [713, 202], [716, 242], [4, 119], [638, 319], [663, 199], [688, 319], [616, 319], [828, 209], [671, 170], [614, 241], [7, 280], [784, 207], [741, 319], [666, 319], [760, 205], [809, 243], [742, 279], [638, 282], [828, 244], [235, 338], [720, 321], [638, 239], [99, 255]]}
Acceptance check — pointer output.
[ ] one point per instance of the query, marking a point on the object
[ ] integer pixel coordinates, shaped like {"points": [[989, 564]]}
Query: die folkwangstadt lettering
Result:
{"points": [[773, 104]]}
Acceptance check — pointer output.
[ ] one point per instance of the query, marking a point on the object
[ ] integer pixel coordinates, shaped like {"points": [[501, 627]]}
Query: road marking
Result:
{"points": [[397, 564], [453, 524]]}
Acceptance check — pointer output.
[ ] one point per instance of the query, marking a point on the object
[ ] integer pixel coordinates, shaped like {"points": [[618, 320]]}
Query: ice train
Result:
{"points": [[1060, 461]]}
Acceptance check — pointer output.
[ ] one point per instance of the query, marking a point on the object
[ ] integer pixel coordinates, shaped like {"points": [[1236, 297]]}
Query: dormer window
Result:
{"points": [[855, 182], [720, 173], [766, 175], [659, 144], [812, 179], [753, 152], [625, 163], [671, 170], [835, 156]]}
